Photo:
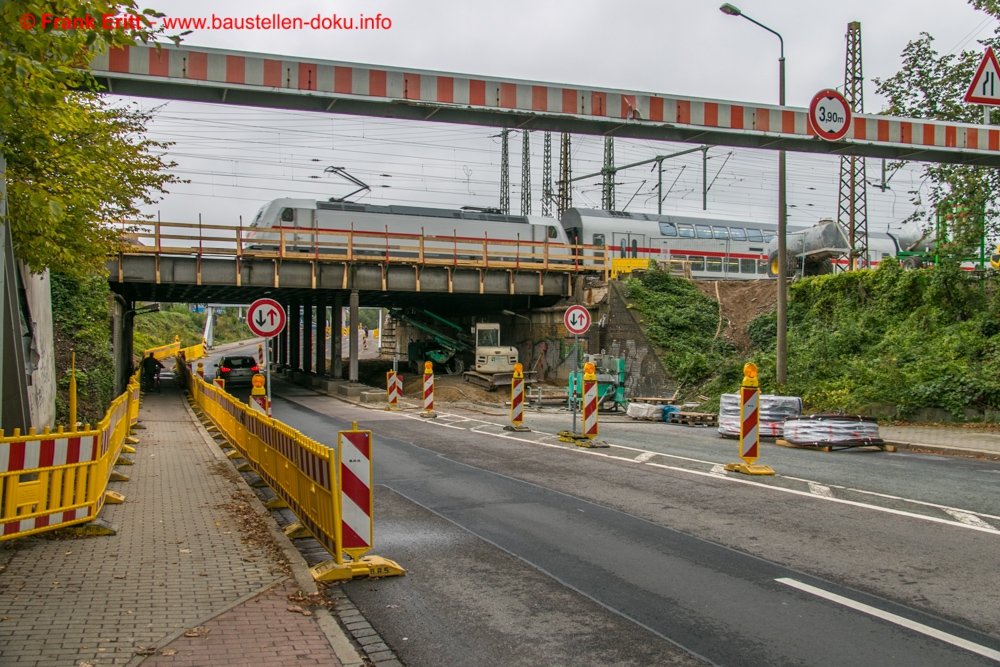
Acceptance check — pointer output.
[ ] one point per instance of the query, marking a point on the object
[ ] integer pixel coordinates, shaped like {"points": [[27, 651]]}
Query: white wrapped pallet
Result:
{"points": [[773, 412], [832, 430], [645, 411]]}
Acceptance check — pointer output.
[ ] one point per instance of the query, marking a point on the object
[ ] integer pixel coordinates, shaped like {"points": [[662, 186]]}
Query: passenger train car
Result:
{"points": [[462, 232], [717, 248]]}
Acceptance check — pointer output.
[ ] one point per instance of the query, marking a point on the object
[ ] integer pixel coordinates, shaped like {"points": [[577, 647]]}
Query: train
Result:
{"points": [[715, 248]]}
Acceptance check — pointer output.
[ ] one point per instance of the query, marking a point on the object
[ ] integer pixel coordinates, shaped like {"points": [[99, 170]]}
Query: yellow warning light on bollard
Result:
{"points": [[589, 371], [428, 368], [518, 371], [201, 370], [749, 425], [257, 384]]}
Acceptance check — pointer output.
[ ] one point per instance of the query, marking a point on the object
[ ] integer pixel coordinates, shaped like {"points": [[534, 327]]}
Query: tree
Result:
{"points": [[75, 164], [931, 85]]}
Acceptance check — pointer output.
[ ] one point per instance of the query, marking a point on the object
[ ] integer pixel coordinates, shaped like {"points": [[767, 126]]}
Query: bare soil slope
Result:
{"points": [[741, 301]]}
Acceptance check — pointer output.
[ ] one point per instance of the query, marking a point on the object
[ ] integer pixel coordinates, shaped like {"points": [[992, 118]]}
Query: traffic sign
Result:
{"points": [[830, 115], [266, 317], [577, 320], [985, 86]]}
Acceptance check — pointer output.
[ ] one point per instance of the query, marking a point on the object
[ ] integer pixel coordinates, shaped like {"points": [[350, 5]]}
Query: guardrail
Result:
{"points": [[174, 238], [301, 471], [58, 479], [192, 353]]}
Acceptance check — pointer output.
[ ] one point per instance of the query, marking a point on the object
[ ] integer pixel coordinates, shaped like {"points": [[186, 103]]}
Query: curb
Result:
{"points": [[341, 645], [946, 451]]}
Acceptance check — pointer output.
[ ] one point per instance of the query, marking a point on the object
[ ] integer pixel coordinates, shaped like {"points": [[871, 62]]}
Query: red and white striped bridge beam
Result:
{"points": [[264, 80]]}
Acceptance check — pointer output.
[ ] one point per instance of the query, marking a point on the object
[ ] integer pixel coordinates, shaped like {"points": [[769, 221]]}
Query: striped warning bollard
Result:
{"points": [[399, 386], [749, 426], [517, 400], [354, 462], [201, 370], [391, 390], [590, 401], [428, 412]]}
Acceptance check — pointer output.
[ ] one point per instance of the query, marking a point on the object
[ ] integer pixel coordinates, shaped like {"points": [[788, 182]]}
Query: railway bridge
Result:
{"points": [[311, 271]]}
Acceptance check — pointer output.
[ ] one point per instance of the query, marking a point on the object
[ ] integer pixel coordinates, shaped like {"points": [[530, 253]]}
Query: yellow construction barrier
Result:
{"points": [[165, 351], [627, 265], [192, 353], [58, 479], [301, 471]]}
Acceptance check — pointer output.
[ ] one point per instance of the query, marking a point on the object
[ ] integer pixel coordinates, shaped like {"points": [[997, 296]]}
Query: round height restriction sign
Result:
{"points": [[266, 317], [577, 320], [830, 115]]}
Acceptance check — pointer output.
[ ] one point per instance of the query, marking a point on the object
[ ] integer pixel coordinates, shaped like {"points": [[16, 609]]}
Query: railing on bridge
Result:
{"points": [[171, 238]]}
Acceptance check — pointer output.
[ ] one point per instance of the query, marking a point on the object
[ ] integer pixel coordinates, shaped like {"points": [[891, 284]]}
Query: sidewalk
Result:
{"points": [[191, 578], [945, 440]]}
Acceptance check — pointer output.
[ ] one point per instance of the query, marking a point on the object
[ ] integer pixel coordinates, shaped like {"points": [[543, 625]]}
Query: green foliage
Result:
{"points": [[75, 165], [682, 322], [931, 85], [81, 323], [155, 329], [909, 339]]}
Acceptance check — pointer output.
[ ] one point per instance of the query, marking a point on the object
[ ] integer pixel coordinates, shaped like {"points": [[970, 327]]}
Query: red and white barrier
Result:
{"points": [[393, 386], [749, 427], [354, 462], [32, 454], [428, 390], [590, 426], [517, 396]]}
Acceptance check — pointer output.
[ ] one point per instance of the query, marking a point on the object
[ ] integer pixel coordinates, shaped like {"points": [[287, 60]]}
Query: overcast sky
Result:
{"points": [[239, 158]]}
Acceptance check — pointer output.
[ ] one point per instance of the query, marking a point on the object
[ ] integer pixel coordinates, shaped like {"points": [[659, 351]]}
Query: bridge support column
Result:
{"points": [[281, 351], [321, 342], [307, 334], [336, 324], [352, 336], [294, 338]]}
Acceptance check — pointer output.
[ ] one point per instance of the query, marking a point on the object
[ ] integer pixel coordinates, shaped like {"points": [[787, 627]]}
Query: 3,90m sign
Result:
{"points": [[830, 115]]}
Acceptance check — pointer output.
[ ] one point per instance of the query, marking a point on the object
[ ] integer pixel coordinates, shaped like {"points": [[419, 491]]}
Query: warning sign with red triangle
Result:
{"points": [[985, 88]]}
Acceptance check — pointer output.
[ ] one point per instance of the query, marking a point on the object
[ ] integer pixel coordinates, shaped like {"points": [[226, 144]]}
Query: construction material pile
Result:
{"points": [[645, 411], [773, 412], [832, 429]]}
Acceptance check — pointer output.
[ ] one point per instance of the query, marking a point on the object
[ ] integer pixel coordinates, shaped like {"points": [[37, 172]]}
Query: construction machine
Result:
{"points": [[494, 365], [610, 373]]}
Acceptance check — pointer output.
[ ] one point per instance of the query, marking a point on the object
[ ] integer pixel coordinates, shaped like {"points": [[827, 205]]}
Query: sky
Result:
{"points": [[236, 159]]}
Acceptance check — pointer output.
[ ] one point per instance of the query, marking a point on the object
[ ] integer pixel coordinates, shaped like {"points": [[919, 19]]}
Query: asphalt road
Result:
{"points": [[521, 550]]}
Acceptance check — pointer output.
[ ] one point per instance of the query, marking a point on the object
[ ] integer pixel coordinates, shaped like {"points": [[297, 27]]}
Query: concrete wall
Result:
{"points": [[41, 359], [621, 334]]}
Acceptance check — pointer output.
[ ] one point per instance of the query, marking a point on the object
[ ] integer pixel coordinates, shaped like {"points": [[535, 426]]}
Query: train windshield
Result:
{"points": [[768, 237], [260, 214], [754, 235], [668, 229], [288, 215]]}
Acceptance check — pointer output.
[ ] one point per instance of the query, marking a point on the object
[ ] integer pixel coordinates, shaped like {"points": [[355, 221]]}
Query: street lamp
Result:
{"points": [[781, 352]]}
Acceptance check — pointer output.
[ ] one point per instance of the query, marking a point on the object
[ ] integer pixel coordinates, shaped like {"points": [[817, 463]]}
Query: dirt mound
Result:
{"points": [[453, 389], [741, 301]]}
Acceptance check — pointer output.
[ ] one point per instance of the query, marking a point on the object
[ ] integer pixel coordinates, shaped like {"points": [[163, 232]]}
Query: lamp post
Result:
{"points": [[781, 352]]}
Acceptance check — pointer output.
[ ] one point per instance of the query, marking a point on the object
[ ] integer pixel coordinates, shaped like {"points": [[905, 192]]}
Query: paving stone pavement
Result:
{"points": [[177, 560], [260, 632]]}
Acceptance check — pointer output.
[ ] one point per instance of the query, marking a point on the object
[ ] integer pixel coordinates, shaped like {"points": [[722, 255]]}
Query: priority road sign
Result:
{"points": [[830, 115], [985, 86], [577, 320], [266, 317]]}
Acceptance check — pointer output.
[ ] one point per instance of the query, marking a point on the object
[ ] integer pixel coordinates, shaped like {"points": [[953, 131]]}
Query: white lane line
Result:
{"points": [[820, 490], [719, 469], [894, 618], [969, 518], [645, 456]]}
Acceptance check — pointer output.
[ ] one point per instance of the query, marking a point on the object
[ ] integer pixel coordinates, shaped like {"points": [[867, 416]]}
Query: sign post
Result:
{"points": [[749, 425], [266, 318], [577, 321]]}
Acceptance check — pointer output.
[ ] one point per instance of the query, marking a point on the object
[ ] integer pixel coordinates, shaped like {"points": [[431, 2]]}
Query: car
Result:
{"points": [[237, 370]]}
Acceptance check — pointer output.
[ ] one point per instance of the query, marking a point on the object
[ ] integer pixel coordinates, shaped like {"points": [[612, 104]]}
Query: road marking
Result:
{"points": [[820, 490], [642, 458], [893, 618], [715, 475], [719, 469], [969, 518]]}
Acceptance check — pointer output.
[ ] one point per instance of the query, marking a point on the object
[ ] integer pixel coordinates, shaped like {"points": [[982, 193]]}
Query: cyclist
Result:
{"points": [[151, 372]]}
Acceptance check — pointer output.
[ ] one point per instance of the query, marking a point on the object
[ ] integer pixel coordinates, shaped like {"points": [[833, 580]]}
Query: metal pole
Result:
{"points": [[704, 178], [576, 376], [267, 374], [781, 372], [659, 187], [352, 337]]}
